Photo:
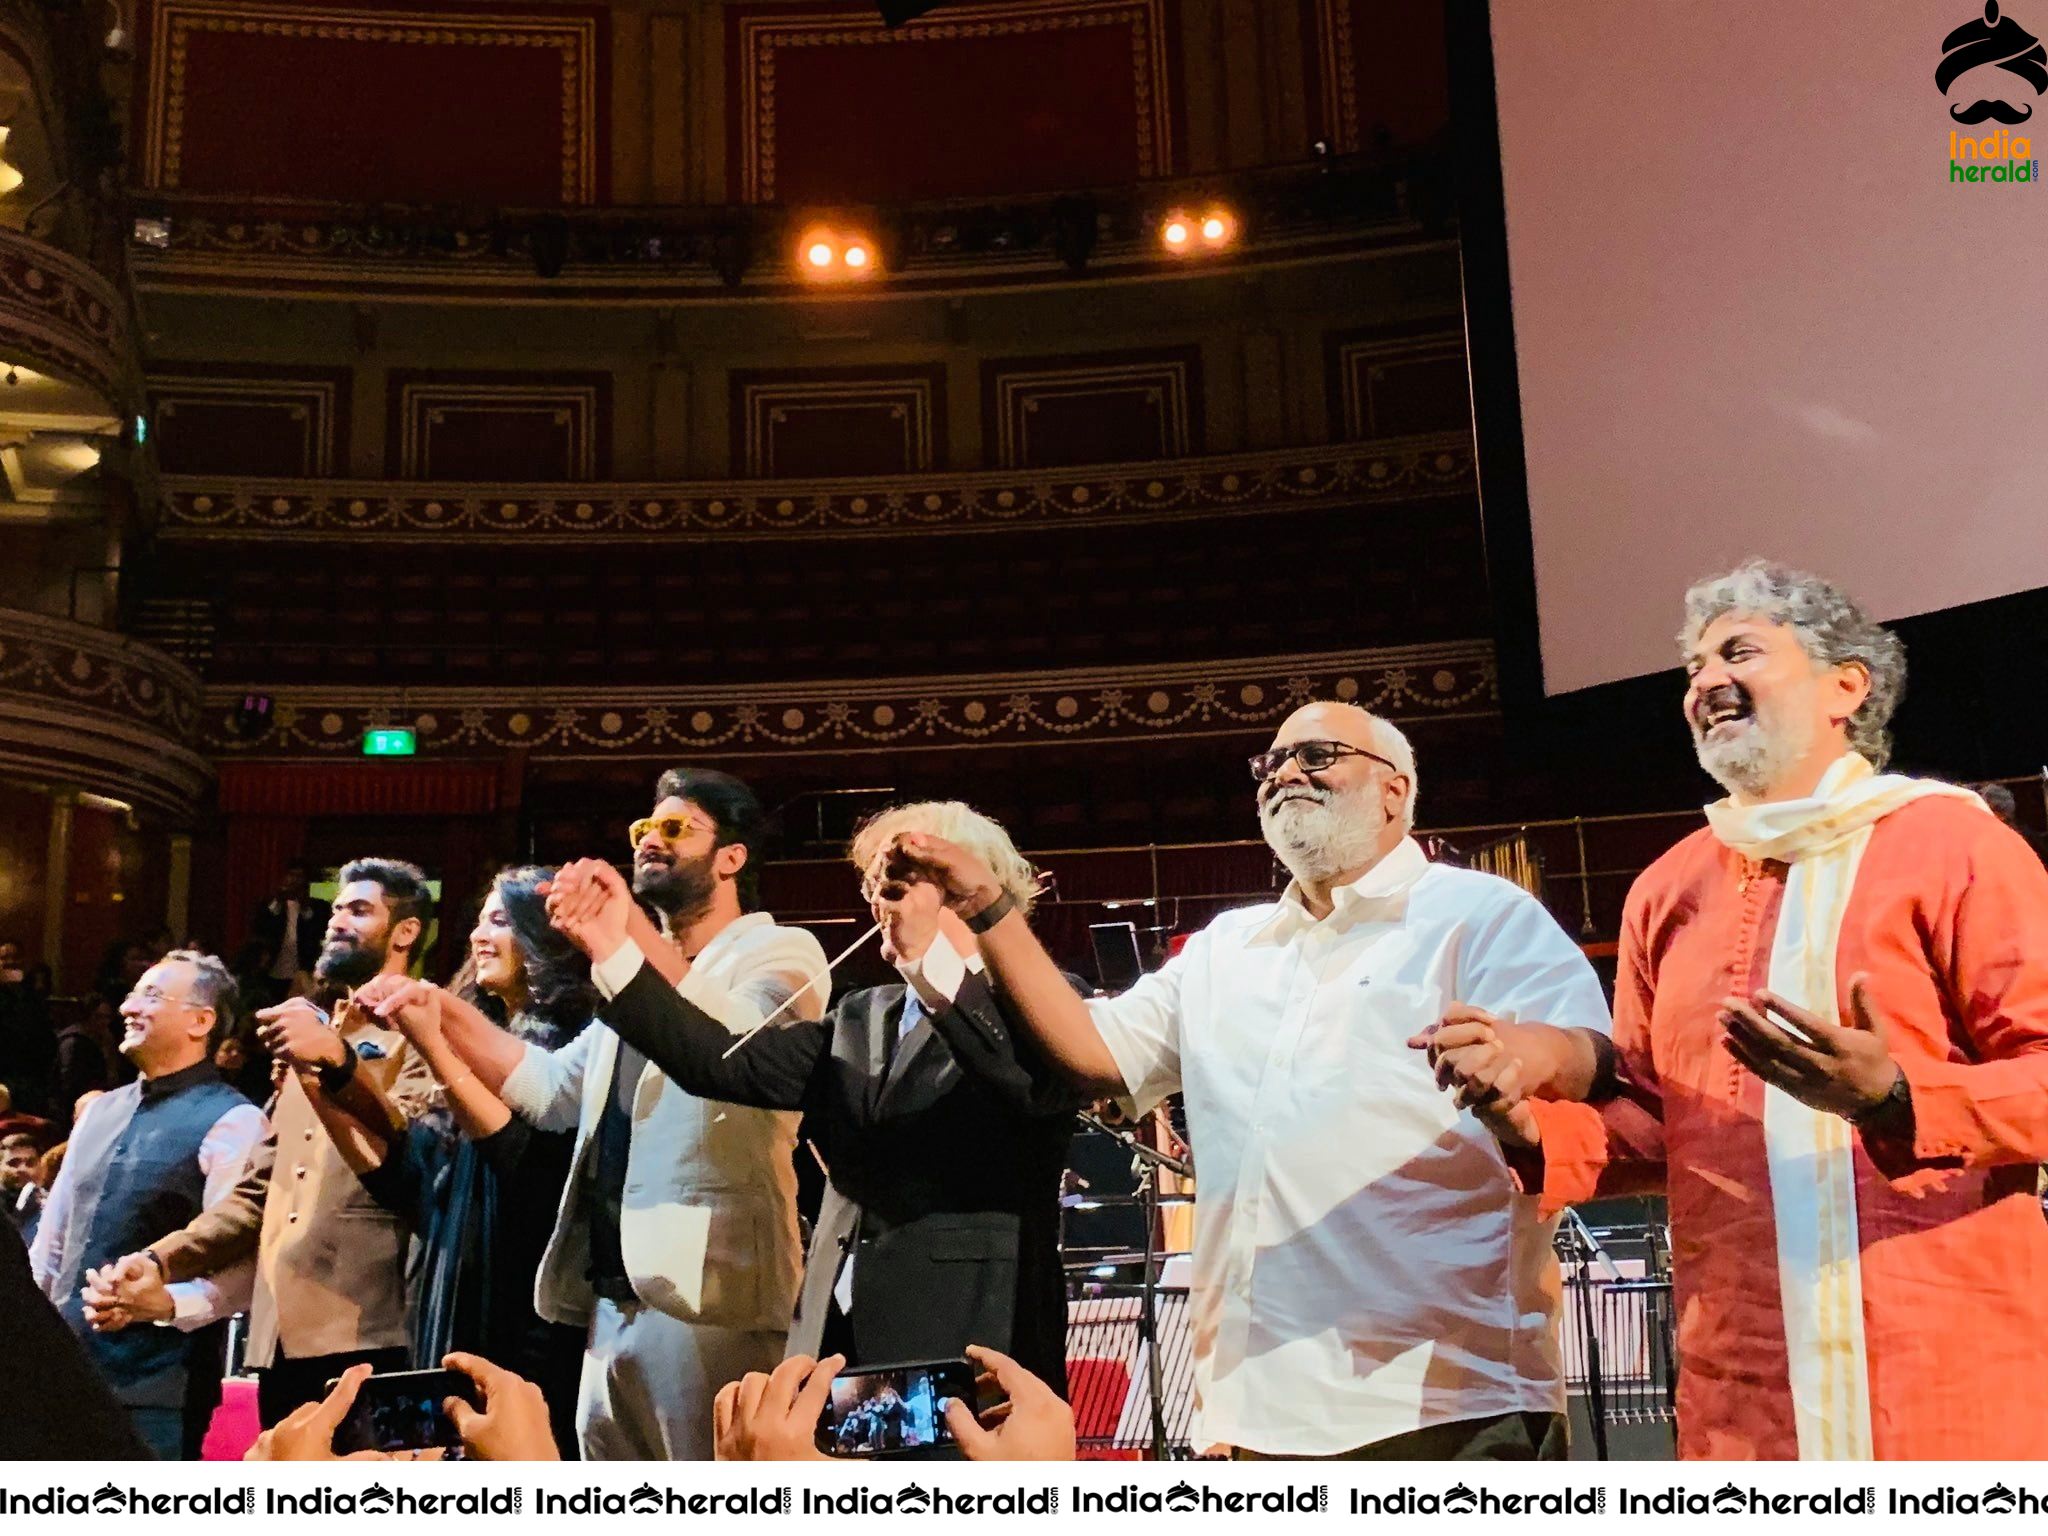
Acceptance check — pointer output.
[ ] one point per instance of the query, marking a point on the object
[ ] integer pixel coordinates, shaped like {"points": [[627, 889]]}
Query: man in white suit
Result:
{"points": [[676, 1242]]}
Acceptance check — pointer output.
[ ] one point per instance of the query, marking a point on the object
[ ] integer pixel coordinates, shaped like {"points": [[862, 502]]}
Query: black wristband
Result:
{"points": [[334, 1079], [992, 914], [1892, 1115]]}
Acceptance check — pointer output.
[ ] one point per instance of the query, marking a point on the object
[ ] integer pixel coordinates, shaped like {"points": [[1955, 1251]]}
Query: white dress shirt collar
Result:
{"points": [[1381, 892]]}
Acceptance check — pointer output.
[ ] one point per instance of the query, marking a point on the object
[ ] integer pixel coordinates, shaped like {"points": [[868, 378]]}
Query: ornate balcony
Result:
{"points": [[1389, 471], [1446, 681], [92, 709]]}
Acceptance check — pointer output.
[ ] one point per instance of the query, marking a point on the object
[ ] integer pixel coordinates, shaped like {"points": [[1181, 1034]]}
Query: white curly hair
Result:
{"points": [[957, 822]]}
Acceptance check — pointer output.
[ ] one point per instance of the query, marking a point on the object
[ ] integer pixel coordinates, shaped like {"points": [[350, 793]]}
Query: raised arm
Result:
{"points": [[482, 1047], [1036, 987], [422, 1012], [771, 1070], [685, 1023], [981, 1028], [357, 1118]]}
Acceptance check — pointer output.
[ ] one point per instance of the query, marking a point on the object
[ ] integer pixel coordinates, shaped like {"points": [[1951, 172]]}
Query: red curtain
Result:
{"points": [[259, 847], [267, 805], [366, 789]]}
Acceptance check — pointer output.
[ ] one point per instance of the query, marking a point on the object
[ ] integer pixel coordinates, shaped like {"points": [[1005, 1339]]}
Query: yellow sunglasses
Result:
{"points": [[672, 829]]}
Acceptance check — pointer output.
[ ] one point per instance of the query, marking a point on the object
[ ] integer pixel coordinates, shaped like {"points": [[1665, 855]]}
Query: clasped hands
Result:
{"points": [[1839, 1069], [591, 905]]}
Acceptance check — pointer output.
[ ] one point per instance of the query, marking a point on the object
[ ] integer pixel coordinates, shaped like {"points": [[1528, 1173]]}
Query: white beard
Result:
{"points": [[1753, 755], [1318, 834]]}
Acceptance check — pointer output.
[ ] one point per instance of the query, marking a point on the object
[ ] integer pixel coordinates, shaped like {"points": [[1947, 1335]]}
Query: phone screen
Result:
{"points": [[401, 1411], [890, 1409]]}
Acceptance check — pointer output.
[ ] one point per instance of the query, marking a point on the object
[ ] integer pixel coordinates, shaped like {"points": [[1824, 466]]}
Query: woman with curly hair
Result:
{"points": [[479, 1185]]}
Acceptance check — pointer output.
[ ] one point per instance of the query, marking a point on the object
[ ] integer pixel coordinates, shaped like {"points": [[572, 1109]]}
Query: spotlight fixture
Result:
{"points": [[1183, 233], [830, 255]]}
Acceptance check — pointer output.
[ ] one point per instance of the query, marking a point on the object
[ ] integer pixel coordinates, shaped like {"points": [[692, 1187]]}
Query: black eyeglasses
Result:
{"points": [[1314, 757]]}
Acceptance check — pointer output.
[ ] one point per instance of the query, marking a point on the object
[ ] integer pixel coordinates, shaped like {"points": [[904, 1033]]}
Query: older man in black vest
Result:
{"points": [[144, 1159]]}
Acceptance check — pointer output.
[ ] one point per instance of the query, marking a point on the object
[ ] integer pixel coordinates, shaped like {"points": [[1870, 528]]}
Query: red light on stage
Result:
{"points": [[856, 257], [1177, 234], [1219, 228]]}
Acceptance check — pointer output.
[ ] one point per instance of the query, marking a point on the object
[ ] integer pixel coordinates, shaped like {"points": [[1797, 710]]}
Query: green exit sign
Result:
{"points": [[390, 741]]}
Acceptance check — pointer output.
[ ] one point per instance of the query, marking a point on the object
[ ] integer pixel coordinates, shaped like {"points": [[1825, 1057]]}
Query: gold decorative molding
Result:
{"points": [[1360, 363], [1338, 62], [1018, 387], [313, 406], [1239, 485], [175, 22], [762, 36], [1446, 681], [84, 706], [59, 314], [421, 405], [764, 403]]}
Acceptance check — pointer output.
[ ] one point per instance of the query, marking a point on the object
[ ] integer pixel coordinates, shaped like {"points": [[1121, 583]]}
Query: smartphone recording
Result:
{"points": [[892, 1409], [402, 1411]]}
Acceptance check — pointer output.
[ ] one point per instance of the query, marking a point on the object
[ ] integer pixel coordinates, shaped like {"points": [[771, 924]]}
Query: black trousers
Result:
{"points": [[290, 1384], [1502, 1437]]}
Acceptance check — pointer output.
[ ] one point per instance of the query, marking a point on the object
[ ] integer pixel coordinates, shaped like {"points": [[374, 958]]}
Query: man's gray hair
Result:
{"points": [[1832, 630], [1395, 747], [213, 986]]}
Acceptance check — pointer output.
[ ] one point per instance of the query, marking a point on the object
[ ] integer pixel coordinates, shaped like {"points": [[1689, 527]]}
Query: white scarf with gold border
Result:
{"points": [[1813, 1170]]}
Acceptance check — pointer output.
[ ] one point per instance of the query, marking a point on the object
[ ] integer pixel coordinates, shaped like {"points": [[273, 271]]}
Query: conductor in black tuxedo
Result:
{"points": [[942, 1132]]}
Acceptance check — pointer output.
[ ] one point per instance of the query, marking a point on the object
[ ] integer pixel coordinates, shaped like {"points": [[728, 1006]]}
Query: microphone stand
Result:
{"points": [[1577, 1238], [1152, 1160]]}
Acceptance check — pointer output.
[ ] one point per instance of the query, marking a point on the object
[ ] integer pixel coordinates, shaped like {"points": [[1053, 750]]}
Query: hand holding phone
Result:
{"points": [[403, 1411], [891, 1410]]}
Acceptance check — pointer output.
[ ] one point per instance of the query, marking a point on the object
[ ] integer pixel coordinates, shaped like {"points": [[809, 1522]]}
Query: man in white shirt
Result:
{"points": [[142, 1158], [1368, 1281], [676, 1240]]}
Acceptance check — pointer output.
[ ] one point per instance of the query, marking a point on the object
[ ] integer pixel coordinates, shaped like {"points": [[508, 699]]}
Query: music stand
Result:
{"points": [[1148, 1287]]}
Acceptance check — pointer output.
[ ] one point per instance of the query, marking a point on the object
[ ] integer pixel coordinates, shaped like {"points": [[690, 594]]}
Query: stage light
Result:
{"points": [[829, 255], [1219, 227], [1186, 234]]}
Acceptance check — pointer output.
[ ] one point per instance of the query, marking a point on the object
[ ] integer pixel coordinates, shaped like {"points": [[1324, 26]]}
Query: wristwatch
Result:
{"points": [[1890, 1114]]}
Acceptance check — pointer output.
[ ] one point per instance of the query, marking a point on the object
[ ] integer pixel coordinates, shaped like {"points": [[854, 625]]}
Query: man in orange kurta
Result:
{"points": [[1932, 1076]]}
